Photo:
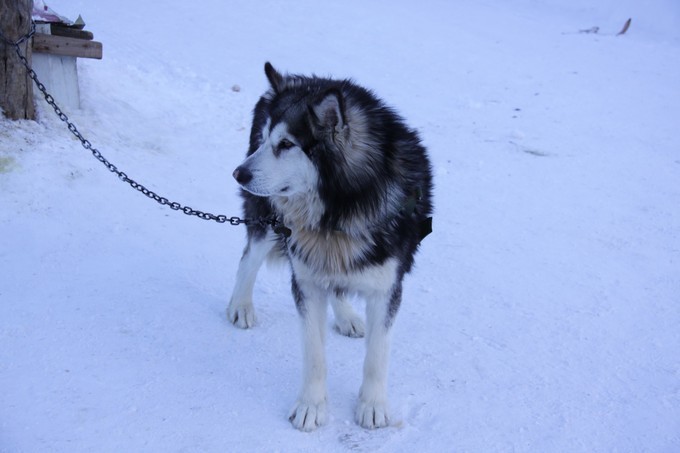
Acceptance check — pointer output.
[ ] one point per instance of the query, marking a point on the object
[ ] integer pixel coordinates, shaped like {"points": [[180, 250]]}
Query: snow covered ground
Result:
{"points": [[544, 312]]}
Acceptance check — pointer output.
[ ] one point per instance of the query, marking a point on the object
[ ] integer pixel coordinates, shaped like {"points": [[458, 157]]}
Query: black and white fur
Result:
{"points": [[353, 184]]}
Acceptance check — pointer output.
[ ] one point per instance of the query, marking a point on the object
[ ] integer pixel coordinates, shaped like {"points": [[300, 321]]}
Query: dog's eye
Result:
{"points": [[286, 144]]}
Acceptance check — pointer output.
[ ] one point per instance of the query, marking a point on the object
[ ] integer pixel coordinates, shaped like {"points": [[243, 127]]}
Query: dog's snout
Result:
{"points": [[242, 175]]}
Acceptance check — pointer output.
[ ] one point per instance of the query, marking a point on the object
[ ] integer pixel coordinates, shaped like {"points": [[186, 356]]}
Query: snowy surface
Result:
{"points": [[544, 312]]}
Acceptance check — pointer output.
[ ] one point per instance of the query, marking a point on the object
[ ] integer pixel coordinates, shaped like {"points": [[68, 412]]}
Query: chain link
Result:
{"points": [[175, 206]]}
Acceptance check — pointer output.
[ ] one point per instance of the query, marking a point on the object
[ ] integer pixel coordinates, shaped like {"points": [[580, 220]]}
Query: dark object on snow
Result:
{"points": [[625, 28]]}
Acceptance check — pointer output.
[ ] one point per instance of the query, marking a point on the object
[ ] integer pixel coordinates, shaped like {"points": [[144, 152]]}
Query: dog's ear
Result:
{"points": [[274, 77], [328, 111]]}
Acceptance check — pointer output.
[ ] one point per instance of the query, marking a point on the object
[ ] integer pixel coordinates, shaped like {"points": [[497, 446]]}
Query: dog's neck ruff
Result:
{"points": [[304, 213]]}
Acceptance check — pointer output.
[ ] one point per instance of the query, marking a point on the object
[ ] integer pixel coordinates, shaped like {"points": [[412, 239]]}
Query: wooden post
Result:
{"points": [[16, 87]]}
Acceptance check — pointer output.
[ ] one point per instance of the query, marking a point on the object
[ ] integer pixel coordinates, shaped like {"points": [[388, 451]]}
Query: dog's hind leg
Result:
{"points": [[241, 312], [373, 410], [309, 411], [347, 321]]}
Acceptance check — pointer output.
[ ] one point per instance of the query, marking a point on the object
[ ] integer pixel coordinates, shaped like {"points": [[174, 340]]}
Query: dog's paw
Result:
{"points": [[350, 326], [241, 315], [372, 415], [308, 416], [347, 322]]}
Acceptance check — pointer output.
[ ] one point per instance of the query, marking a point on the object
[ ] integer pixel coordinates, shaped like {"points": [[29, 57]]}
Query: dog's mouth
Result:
{"points": [[254, 190], [258, 191]]}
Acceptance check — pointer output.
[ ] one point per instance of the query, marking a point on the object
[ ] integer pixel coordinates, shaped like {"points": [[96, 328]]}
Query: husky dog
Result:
{"points": [[352, 184]]}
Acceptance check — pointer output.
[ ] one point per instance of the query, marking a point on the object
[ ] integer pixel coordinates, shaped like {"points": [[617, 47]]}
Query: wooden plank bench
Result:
{"points": [[68, 47]]}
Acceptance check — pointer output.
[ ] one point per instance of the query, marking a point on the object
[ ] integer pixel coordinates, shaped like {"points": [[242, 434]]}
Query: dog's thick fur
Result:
{"points": [[353, 184]]}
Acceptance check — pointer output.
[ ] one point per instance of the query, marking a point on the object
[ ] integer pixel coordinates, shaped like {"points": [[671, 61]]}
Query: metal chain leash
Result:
{"points": [[263, 221]]}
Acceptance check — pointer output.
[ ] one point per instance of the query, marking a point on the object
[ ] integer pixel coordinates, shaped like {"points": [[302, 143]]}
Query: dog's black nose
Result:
{"points": [[242, 175]]}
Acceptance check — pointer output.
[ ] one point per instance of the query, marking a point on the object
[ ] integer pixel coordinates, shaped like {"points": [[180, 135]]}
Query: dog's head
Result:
{"points": [[303, 132]]}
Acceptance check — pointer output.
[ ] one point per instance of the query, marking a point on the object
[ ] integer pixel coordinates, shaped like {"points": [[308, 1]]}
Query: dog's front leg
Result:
{"points": [[241, 312], [373, 409], [310, 409]]}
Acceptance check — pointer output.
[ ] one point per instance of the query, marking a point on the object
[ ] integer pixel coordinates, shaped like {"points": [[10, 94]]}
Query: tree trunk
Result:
{"points": [[16, 87]]}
